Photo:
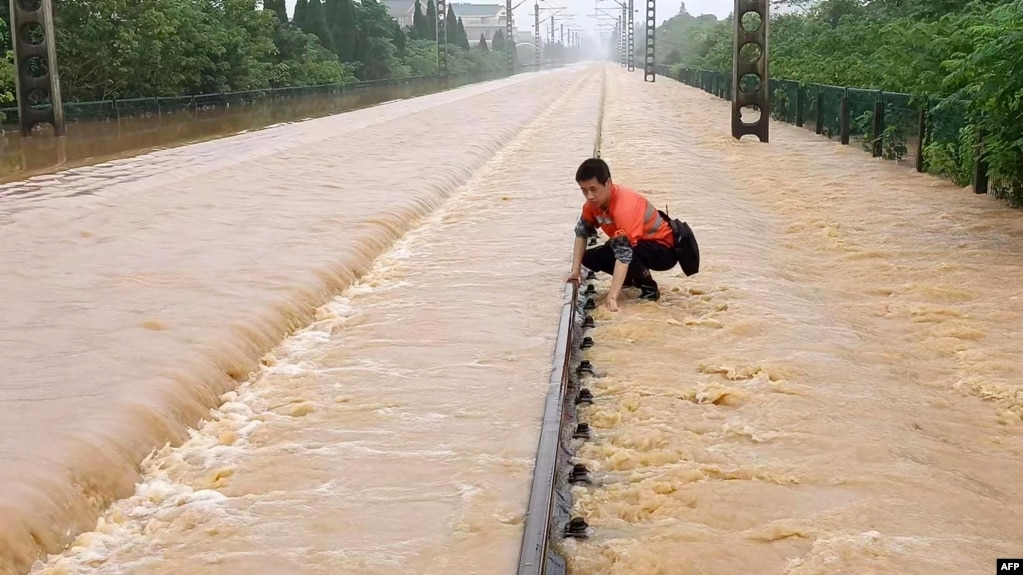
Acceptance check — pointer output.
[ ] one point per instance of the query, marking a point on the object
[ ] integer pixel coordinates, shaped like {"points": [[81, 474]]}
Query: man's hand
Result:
{"points": [[573, 277], [611, 303], [617, 280]]}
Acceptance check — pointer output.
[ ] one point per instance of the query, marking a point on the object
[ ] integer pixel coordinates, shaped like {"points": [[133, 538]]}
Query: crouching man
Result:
{"points": [[640, 239]]}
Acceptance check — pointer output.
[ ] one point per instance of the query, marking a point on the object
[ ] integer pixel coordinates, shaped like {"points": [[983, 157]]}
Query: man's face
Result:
{"points": [[596, 193]]}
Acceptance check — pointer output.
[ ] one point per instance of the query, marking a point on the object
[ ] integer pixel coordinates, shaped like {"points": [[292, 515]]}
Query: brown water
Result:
{"points": [[837, 391], [137, 127], [398, 430]]}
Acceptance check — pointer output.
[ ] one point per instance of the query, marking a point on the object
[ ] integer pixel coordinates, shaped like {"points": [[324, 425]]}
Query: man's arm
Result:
{"points": [[617, 279], [623, 257], [583, 230], [578, 250]]}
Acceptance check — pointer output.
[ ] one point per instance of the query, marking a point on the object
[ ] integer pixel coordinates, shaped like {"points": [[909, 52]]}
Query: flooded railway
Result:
{"points": [[134, 308], [837, 391]]}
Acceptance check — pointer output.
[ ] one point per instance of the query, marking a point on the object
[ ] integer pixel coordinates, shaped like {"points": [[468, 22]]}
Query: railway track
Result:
{"points": [[550, 502], [548, 515]]}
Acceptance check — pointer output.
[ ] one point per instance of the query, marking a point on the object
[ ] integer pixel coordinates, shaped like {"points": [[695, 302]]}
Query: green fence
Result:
{"points": [[183, 106], [935, 136]]}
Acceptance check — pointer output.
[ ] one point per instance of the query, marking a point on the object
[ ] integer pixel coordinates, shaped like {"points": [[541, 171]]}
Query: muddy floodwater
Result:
{"points": [[109, 130], [344, 329], [837, 391], [395, 434]]}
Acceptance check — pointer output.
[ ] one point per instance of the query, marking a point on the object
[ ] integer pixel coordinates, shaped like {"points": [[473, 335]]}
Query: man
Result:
{"points": [[640, 239]]}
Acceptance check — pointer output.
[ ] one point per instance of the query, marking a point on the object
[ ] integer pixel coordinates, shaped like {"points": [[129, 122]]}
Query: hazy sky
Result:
{"points": [[584, 9]]}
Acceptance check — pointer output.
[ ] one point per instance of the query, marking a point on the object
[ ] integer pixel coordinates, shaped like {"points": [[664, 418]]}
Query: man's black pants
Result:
{"points": [[646, 255]]}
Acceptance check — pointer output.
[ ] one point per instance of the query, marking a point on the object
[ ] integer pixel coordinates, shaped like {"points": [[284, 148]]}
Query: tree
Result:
{"points": [[451, 27], [958, 54], [483, 42], [129, 49], [341, 23], [498, 41], [6, 67], [303, 61], [463, 38], [420, 25], [316, 24], [431, 20], [375, 51], [301, 8], [278, 8]]}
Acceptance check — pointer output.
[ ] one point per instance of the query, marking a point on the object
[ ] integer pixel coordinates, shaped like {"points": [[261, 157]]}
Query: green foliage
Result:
{"points": [[987, 74], [498, 44], [431, 20], [278, 8], [961, 56], [121, 49], [420, 26], [6, 67]]}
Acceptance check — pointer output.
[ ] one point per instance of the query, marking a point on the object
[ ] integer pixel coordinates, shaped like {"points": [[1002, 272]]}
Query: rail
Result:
{"points": [[535, 557], [600, 116], [549, 510]]}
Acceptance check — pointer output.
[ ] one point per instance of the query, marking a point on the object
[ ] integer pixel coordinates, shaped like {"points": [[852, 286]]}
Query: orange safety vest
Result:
{"points": [[631, 215]]}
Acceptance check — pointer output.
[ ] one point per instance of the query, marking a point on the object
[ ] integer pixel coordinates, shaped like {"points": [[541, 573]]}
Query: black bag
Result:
{"points": [[686, 249]]}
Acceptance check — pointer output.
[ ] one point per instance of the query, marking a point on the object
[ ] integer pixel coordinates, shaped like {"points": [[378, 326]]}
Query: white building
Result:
{"points": [[481, 19], [477, 19], [403, 10]]}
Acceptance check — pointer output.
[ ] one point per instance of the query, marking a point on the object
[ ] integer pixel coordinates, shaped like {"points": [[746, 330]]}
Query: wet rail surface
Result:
{"points": [[135, 294], [397, 433], [838, 389]]}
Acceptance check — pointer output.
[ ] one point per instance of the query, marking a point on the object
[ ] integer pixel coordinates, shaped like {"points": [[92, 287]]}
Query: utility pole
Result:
{"points": [[650, 66], [747, 34], [536, 33], [509, 39], [631, 39], [31, 58], [442, 38], [621, 38], [536, 28]]}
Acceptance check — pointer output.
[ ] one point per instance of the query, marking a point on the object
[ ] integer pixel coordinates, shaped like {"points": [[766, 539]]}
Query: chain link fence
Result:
{"points": [[934, 136], [99, 131], [347, 96]]}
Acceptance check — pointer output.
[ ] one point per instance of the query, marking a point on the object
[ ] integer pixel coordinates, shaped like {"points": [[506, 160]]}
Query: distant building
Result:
{"points": [[527, 37], [403, 10], [481, 20], [477, 19]]}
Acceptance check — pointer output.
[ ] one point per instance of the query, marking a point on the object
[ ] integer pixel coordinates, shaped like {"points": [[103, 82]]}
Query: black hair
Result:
{"points": [[593, 168]]}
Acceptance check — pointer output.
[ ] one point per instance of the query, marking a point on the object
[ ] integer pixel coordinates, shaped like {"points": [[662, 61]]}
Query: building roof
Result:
{"points": [[468, 10], [399, 8]]}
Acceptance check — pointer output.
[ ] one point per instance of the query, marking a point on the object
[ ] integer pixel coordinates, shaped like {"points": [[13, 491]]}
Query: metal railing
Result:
{"points": [[934, 136], [198, 104]]}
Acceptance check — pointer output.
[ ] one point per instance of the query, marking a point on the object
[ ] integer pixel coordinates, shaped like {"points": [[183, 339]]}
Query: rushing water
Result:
{"points": [[397, 431], [837, 391], [103, 131]]}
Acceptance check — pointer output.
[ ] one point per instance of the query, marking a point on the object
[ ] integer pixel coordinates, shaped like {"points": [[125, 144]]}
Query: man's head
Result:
{"points": [[594, 179]]}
